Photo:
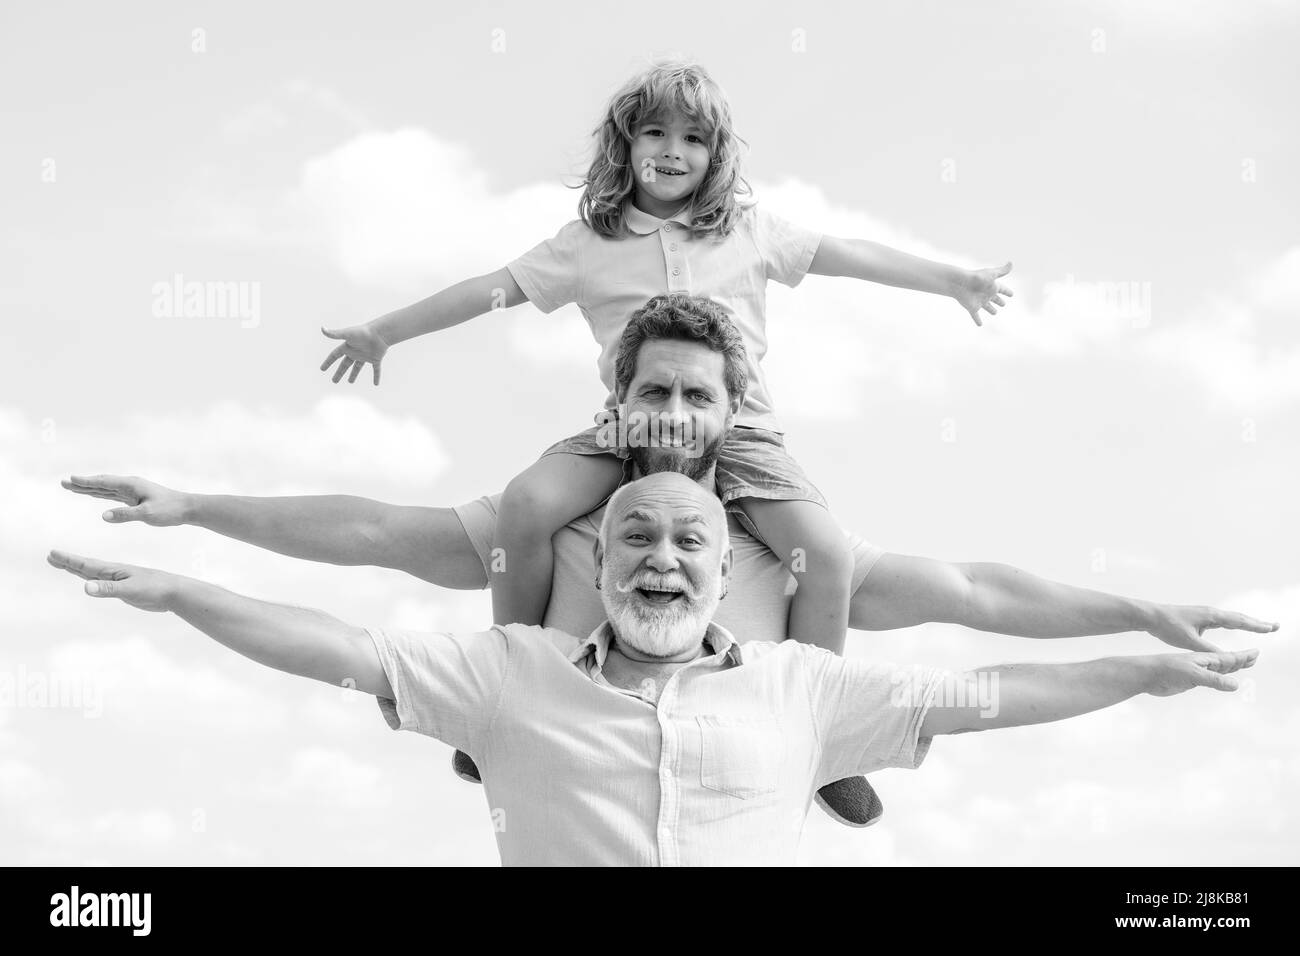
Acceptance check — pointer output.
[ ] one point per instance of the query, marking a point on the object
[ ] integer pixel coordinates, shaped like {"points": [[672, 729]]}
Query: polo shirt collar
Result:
{"points": [[596, 645], [642, 223]]}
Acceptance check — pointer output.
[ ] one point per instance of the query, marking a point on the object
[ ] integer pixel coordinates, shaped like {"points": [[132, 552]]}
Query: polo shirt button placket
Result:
{"points": [[669, 793]]}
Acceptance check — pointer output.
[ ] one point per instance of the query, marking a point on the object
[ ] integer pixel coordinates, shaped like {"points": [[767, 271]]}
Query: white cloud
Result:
{"points": [[412, 212], [341, 443], [406, 208], [139, 683], [20, 782], [328, 778]]}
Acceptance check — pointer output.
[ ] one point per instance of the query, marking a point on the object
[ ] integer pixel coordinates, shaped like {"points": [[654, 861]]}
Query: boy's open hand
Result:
{"points": [[361, 344], [980, 289]]}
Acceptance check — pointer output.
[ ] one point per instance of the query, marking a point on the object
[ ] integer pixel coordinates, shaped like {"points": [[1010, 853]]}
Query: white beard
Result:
{"points": [[657, 631]]}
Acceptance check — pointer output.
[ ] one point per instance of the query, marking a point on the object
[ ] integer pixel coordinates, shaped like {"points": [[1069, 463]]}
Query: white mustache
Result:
{"points": [[670, 585]]}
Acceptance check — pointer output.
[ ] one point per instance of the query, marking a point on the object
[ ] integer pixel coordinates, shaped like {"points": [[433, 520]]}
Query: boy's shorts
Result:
{"points": [[753, 463]]}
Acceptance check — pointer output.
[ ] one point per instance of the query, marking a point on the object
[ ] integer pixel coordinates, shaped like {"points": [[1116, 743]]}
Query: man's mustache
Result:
{"points": [[653, 583]]}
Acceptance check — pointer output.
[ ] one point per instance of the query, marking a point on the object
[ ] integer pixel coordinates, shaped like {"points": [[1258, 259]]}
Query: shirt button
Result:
{"points": [[668, 227], [672, 247], [677, 272]]}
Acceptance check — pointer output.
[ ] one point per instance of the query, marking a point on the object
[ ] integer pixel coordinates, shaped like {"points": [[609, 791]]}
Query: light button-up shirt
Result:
{"points": [[721, 769]]}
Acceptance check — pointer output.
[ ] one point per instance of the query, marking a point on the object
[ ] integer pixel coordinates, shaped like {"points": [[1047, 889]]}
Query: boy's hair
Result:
{"points": [[688, 318], [676, 86]]}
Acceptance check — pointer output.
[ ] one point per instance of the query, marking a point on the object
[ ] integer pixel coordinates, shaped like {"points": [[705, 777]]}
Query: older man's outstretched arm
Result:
{"points": [[904, 590], [295, 640], [1013, 695]]}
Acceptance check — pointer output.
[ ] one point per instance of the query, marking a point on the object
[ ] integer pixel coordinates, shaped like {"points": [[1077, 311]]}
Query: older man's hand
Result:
{"points": [[1185, 625], [145, 588], [1169, 674], [151, 503]]}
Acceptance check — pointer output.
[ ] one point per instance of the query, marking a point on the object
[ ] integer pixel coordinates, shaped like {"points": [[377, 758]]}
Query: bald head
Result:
{"points": [[665, 490], [663, 559]]}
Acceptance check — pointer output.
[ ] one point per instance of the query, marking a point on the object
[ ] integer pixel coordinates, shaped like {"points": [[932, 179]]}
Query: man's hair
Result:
{"points": [[687, 318]]}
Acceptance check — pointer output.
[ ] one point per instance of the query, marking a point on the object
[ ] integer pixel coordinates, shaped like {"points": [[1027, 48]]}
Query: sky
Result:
{"points": [[1128, 423]]}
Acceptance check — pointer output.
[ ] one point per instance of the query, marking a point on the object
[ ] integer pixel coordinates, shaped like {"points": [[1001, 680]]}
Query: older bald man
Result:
{"points": [[658, 738]]}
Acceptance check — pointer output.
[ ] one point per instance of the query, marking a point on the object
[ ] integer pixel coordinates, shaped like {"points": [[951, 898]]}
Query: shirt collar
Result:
{"points": [[642, 223], [596, 645]]}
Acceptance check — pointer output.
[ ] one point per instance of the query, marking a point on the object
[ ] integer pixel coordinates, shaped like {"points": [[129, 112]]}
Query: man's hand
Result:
{"points": [[980, 289], [1171, 674], [1184, 625], [151, 503], [361, 344], [144, 588]]}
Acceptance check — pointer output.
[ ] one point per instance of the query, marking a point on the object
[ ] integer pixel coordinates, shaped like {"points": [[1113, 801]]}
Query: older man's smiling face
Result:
{"points": [[663, 563]]}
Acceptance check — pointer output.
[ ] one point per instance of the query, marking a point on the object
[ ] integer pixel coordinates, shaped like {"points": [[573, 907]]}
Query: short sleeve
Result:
{"points": [[550, 273], [787, 250], [868, 714], [479, 520], [446, 685]]}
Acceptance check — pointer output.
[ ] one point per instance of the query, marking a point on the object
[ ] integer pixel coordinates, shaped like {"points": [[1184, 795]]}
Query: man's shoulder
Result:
{"points": [[788, 653], [752, 652], [534, 636]]}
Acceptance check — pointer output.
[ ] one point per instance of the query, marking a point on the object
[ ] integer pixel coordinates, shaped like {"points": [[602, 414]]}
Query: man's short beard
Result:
{"points": [[653, 461], [656, 632]]}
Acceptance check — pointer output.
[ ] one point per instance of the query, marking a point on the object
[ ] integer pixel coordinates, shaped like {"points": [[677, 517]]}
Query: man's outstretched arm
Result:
{"points": [[903, 590], [295, 640], [1013, 695], [429, 543]]}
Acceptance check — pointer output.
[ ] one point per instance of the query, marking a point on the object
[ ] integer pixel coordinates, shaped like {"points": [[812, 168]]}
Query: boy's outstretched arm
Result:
{"points": [[295, 640], [974, 289], [905, 590], [1013, 695], [452, 306]]}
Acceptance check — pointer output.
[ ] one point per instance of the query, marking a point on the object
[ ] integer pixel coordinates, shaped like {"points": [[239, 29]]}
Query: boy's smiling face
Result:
{"points": [[670, 158]]}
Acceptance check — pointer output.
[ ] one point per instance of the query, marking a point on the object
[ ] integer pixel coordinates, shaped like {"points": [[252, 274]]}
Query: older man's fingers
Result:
{"points": [[103, 589], [998, 300], [1003, 290], [91, 490], [375, 365], [1225, 662], [356, 370], [88, 568], [1208, 679], [342, 369]]}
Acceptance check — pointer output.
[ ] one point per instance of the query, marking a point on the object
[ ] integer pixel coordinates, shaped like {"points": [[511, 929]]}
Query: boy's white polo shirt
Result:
{"points": [[609, 279]]}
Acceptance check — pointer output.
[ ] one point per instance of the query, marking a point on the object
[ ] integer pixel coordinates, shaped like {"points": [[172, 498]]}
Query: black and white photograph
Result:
{"points": [[713, 434]]}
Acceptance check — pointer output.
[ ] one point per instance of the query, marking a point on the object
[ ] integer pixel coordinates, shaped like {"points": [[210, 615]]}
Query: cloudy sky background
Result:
{"points": [[349, 166]]}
